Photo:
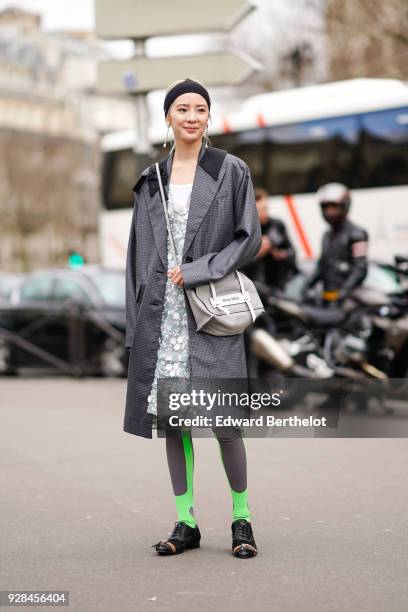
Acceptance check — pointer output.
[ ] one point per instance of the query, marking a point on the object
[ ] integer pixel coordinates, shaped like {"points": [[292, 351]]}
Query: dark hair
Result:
{"points": [[260, 193]]}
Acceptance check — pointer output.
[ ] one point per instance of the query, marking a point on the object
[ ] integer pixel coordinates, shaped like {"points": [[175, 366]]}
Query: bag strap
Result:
{"points": [[246, 294], [166, 214], [238, 274], [175, 254]]}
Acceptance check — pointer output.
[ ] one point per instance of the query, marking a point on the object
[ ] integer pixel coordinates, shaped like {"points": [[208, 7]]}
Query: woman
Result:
{"points": [[216, 228]]}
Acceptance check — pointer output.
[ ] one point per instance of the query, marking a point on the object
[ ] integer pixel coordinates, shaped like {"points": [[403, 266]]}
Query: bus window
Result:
{"points": [[383, 148], [302, 157], [250, 146], [222, 141], [121, 170]]}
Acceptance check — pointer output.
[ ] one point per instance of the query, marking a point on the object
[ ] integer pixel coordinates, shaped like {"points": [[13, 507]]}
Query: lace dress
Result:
{"points": [[172, 357]]}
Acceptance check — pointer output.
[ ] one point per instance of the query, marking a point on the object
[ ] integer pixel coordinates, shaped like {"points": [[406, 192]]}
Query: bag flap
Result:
{"points": [[229, 288]]}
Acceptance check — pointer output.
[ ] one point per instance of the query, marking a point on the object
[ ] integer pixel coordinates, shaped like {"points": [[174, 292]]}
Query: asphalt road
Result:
{"points": [[82, 502]]}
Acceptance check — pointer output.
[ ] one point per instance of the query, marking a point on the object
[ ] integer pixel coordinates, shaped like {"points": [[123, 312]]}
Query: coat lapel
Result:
{"points": [[155, 209], [207, 179]]}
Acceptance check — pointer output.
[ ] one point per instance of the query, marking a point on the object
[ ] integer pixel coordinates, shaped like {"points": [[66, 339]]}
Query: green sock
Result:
{"points": [[240, 507], [185, 502]]}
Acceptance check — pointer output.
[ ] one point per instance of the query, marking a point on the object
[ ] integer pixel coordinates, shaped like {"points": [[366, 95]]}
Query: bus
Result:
{"points": [[353, 131]]}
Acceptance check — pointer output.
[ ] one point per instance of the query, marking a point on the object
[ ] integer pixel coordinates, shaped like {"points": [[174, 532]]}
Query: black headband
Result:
{"points": [[186, 86]]}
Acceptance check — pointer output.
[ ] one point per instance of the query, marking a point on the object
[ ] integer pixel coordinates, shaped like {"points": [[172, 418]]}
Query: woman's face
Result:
{"points": [[188, 116]]}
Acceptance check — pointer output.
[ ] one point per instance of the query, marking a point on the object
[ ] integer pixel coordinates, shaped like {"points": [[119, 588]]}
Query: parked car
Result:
{"points": [[7, 283], [69, 319]]}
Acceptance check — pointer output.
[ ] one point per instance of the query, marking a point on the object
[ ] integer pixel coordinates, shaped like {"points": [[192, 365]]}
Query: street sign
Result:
{"points": [[141, 19], [143, 74]]}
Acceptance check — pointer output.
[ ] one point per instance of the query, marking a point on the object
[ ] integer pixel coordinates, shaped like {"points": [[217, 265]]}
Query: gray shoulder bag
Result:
{"points": [[223, 307]]}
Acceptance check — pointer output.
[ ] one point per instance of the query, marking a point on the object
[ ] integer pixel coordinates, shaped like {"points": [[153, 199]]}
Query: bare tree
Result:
{"points": [[367, 38], [287, 39]]}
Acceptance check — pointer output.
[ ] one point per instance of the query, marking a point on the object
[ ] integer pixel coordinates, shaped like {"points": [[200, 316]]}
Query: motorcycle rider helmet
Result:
{"points": [[334, 193]]}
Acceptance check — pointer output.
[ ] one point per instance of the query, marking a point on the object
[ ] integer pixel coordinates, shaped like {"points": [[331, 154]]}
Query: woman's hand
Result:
{"points": [[176, 276]]}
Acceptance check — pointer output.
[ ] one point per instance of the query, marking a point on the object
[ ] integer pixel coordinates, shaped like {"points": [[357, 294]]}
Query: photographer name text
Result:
{"points": [[268, 420]]}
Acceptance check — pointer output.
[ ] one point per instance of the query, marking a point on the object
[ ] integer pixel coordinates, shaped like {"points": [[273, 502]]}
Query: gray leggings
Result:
{"points": [[233, 455]]}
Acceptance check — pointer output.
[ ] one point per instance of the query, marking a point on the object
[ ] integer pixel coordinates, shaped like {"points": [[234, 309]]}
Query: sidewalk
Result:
{"points": [[82, 502]]}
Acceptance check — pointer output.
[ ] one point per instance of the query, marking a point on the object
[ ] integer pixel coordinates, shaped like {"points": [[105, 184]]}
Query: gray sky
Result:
{"points": [[58, 14], [64, 14], [80, 15]]}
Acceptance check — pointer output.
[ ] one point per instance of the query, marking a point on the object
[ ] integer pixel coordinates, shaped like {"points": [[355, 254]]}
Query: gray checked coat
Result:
{"points": [[223, 233]]}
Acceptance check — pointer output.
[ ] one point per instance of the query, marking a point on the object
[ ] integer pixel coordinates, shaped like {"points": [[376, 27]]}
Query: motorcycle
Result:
{"points": [[365, 340]]}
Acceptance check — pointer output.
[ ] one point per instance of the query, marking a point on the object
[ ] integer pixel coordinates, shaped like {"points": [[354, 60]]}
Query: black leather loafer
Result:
{"points": [[182, 537], [243, 541]]}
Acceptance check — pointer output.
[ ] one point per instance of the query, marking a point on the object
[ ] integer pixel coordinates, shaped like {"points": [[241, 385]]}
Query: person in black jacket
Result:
{"points": [[342, 265], [275, 262], [273, 265]]}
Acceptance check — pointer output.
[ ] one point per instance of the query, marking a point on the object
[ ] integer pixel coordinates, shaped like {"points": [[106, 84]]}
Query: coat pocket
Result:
{"points": [[139, 298], [139, 292], [135, 308], [133, 312]]}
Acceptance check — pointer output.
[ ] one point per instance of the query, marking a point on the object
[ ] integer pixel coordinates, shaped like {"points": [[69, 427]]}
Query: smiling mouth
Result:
{"points": [[191, 129]]}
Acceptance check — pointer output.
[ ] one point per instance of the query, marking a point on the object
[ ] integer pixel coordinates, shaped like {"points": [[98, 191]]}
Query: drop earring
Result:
{"points": [[206, 137], [167, 137]]}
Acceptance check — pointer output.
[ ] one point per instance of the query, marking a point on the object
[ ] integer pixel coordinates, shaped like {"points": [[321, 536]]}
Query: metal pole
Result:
{"points": [[142, 144]]}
